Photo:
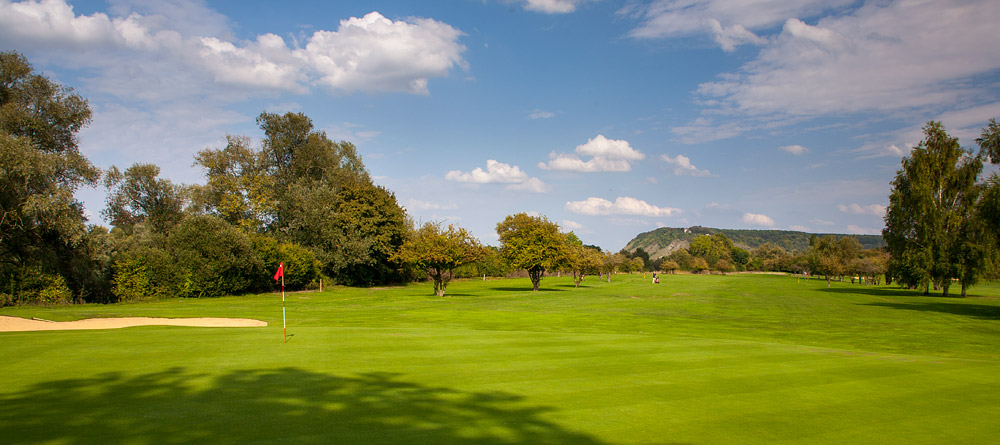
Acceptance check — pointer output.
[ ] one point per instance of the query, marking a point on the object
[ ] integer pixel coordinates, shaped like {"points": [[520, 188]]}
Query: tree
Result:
{"points": [[712, 247], [138, 197], [42, 226], [532, 243], [931, 206], [439, 251], [581, 259], [240, 185]]}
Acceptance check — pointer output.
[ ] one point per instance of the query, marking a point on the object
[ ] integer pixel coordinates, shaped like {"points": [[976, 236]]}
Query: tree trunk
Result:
{"points": [[536, 277], [964, 288], [944, 289]]}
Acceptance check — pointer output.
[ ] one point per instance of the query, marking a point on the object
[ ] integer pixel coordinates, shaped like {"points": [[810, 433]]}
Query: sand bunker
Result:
{"points": [[11, 324]]}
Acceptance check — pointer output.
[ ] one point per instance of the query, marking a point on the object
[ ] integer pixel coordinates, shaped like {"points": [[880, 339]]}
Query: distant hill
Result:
{"points": [[663, 241]]}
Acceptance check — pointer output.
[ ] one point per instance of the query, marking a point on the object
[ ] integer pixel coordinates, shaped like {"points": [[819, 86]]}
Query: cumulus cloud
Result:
{"points": [[623, 205], [872, 209], [798, 228], [605, 155], [684, 167], [795, 149], [369, 53], [495, 172], [499, 172], [758, 219]]}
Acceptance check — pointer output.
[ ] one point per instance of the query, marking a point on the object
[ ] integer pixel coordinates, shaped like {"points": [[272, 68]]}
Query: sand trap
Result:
{"points": [[12, 324]]}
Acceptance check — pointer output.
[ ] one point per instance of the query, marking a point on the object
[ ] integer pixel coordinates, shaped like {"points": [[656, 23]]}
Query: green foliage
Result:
{"points": [[531, 243], [30, 285], [217, 258], [301, 187], [148, 273], [301, 268]]}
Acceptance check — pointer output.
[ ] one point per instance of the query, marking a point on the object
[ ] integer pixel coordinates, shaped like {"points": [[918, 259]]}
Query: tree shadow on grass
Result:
{"points": [[262, 406], [543, 288], [981, 311], [875, 291]]}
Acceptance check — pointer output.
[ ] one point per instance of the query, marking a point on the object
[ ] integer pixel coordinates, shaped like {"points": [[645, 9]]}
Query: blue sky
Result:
{"points": [[610, 118]]}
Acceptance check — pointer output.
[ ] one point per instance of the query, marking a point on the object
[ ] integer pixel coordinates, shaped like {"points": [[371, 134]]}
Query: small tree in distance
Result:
{"points": [[439, 251]]}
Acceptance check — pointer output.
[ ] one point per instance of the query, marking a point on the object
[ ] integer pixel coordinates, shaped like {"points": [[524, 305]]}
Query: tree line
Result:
{"points": [[297, 197]]}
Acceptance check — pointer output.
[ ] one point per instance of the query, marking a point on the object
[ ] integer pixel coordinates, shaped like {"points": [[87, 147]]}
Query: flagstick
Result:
{"points": [[284, 328]]}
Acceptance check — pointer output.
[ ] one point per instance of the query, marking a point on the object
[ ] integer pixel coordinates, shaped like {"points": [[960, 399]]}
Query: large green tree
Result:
{"points": [[301, 187], [531, 243], [931, 216], [42, 225]]}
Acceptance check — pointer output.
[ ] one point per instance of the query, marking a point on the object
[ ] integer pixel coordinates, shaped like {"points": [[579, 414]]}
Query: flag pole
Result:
{"points": [[284, 328], [281, 274]]}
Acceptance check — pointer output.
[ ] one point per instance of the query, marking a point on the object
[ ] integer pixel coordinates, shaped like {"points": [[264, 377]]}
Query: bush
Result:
{"points": [[147, 273], [301, 269], [29, 285], [216, 258]]}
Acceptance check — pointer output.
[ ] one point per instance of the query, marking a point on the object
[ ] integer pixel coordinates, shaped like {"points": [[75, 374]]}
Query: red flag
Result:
{"points": [[279, 273]]}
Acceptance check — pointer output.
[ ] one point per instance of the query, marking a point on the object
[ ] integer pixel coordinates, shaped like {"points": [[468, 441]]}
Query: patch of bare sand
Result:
{"points": [[12, 324]]}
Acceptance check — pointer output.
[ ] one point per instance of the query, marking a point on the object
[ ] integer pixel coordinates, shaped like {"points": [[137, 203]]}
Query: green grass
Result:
{"points": [[695, 359]]}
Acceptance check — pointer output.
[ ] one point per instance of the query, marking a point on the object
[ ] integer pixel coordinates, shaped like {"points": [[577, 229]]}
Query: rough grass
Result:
{"points": [[695, 359]]}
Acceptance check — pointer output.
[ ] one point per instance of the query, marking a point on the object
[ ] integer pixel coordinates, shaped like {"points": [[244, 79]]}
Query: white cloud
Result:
{"points": [[858, 230], [499, 172], [533, 185], [758, 219], [416, 204], [623, 205], [541, 114], [795, 149], [683, 167], [605, 155], [821, 222], [882, 56], [872, 209], [370, 53], [552, 6], [495, 172], [728, 23], [373, 53], [799, 228], [572, 225]]}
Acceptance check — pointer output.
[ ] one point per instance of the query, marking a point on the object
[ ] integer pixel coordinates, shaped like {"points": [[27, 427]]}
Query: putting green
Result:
{"points": [[694, 360]]}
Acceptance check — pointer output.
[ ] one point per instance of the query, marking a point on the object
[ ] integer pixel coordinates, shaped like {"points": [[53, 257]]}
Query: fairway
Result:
{"points": [[694, 359]]}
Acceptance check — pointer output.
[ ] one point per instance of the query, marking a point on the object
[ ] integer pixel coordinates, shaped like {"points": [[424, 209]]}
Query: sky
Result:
{"points": [[610, 118]]}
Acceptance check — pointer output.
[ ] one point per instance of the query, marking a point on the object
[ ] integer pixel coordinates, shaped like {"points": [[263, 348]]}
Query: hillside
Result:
{"points": [[663, 241]]}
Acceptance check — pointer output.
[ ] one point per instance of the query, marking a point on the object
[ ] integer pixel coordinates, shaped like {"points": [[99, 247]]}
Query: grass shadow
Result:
{"points": [[543, 288], [875, 291], [981, 311], [262, 406]]}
